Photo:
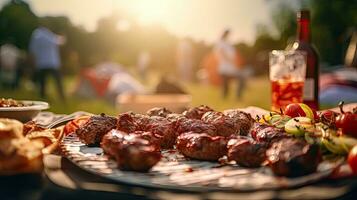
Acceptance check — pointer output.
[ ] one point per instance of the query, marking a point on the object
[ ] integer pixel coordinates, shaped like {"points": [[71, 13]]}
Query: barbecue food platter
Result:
{"points": [[198, 150], [174, 171]]}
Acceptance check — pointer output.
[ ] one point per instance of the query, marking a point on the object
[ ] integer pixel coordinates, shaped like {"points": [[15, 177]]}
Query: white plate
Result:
{"points": [[23, 113]]}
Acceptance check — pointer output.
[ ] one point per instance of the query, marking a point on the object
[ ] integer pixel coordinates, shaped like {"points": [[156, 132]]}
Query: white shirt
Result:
{"points": [[226, 54], [8, 56]]}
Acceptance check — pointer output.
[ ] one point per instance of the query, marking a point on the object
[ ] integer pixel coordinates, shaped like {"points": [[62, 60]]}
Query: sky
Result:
{"points": [[198, 19]]}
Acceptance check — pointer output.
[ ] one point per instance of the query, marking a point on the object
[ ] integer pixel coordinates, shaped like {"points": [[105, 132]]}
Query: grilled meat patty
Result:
{"points": [[246, 152], [95, 128], [293, 157], [244, 119], [225, 125], [131, 151], [197, 112], [267, 133], [159, 126], [201, 146], [194, 125], [158, 111]]}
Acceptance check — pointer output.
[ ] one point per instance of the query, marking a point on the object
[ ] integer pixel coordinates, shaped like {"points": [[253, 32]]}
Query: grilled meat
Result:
{"points": [[161, 112], [266, 133], [95, 128], [196, 112], [201, 146], [246, 152], [225, 125], [131, 151], [194, 125], [293, 157], [160, 127], [244, 119], [163, 128]]}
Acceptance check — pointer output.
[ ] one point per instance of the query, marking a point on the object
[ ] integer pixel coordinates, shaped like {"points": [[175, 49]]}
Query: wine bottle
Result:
{"points": [[303, 43]]}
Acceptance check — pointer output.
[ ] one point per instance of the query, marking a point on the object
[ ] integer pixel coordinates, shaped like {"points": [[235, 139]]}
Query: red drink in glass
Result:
{"points": [[285, 92]]}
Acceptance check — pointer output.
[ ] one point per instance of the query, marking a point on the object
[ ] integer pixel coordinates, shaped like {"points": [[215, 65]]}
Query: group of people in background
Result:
{"points": [[43, 51]]}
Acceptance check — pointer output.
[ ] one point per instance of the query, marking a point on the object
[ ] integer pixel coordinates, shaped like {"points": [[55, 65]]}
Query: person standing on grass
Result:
{"points": [[227, 68], [44, 47]]}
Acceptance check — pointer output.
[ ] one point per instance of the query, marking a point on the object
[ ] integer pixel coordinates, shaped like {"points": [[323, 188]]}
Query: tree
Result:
{"points": [[17, 22]]}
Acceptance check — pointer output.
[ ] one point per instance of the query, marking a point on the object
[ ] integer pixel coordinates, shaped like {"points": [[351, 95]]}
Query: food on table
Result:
{"points": [[347, 122], [22, 146], [197, 112], [10, 129], [224, 124], [352, 159], [73, 125], [274, 119], [31, 126], [293, 157], [246, 121], [164, 128], [202, 146], [159, 126], [161, 112], [267, 133], [10, 103], [130, 151], [300, 110], [246, 152], [95, 128], [328, 117], [297, 126], [129, 122], [291, 142], [195, 125]]}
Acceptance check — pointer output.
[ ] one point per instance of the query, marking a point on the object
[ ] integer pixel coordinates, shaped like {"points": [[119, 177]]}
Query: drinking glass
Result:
{"points": [[287, 70]]}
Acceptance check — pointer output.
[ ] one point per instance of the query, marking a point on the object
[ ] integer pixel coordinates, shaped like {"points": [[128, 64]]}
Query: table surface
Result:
{"points": [[63, 180]]}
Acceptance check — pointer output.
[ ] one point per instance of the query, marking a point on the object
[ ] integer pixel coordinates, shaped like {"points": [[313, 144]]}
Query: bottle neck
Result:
{"points": [[303, 30]]}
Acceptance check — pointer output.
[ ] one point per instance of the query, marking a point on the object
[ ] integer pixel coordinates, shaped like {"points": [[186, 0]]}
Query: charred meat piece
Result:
{"points": [[95, 128], [202, 146], [175, 117], [225, 125], [161, 127], [293, 157], [131, 151], [158, 111], [196, 112], [246, 152], [266, 133], [244, 119], [194, 125], [127, 122]]}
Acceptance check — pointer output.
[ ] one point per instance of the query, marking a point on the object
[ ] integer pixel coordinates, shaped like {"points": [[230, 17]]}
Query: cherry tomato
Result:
{"points": [[347, 122], [73, 125], [352, 159]]}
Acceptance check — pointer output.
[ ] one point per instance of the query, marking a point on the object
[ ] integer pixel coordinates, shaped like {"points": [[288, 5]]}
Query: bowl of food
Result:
{"points": [[22, 110]]}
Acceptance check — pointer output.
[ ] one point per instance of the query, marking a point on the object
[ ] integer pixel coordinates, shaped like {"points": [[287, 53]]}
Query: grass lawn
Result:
{"points": [[257, 93]]}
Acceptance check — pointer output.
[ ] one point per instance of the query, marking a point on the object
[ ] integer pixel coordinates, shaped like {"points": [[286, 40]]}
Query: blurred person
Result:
{"points": [[227, 64], [184, 60], [143, 64], [44, 47], [9, 56]]}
